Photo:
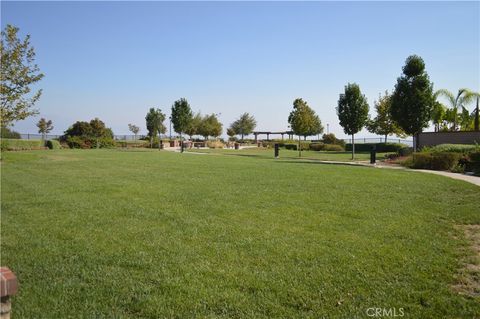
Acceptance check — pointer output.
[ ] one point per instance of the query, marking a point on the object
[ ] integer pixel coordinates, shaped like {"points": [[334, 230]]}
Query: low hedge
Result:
{"points": [[21, 145], [405, 151], [473, 163], [454, 148], [445, 161], [53, 144], [380, 147], [88, 142]]}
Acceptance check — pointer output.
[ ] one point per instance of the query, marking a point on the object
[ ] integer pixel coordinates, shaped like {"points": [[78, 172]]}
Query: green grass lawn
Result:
{"points": [[290, 154], [153, 234]]}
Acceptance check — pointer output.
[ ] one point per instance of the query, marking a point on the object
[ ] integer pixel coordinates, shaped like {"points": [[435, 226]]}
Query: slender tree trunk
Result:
{"points": [[299, 147], [386, 136], [181, 143], [477, 116], [151, 141], [353, 146]]}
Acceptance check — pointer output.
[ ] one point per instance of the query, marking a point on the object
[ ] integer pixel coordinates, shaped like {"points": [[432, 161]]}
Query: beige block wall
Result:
{"points": [[436, 138]]}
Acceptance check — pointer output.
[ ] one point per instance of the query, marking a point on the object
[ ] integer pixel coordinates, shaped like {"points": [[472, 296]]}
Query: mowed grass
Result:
{"points": [[155, 234], [290, 154]]}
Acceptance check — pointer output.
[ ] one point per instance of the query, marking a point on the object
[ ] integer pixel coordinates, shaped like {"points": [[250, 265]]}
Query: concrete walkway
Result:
{"points": [[462, 177]]}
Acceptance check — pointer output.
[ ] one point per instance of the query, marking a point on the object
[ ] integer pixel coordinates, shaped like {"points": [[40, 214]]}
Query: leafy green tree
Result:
{"points": [[438, 115], [383, 124], [98, 130], [44, 127], [18, 73], [303, 121], [210, 126], [194, 125], [352, 111], [181, 115], [231, 134], [134, 129], [412, 100], [244, 125], [154, 122], [457, 103]]}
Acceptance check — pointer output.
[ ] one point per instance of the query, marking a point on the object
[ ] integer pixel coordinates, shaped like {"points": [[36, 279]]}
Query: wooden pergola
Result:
{"points": [[256, 133]]}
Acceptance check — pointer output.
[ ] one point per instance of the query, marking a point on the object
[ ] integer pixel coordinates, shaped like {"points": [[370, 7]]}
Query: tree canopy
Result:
{"points": [[303, 120], [181, 115], [244, 125], [44, 126], [412, 100], [382, 123], [352, 111], [18, 73], [194, 125], [210, 126], [154, 122], [134, 129]]}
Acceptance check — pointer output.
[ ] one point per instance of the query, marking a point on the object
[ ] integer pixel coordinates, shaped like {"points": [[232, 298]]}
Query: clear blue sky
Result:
{"points": [[114, 60]]}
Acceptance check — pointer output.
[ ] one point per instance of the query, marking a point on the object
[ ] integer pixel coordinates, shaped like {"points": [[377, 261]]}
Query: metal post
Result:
{"points": [[277, 148], [373, 155]]}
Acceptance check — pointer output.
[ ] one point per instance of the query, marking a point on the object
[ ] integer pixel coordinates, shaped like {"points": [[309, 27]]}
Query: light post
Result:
{"points": [[170, 119], [328, 128]]}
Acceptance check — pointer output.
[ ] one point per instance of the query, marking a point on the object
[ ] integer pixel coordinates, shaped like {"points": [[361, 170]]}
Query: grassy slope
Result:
{"points": [[158, 234]]}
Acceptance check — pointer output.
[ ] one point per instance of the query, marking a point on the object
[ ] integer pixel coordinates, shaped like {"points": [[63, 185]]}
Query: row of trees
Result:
{"points": [[407, 111], [184, 122]]}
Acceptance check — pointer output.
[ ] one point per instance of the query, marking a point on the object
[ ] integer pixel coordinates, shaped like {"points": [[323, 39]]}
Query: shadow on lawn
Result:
{"points": [[319, 162]]}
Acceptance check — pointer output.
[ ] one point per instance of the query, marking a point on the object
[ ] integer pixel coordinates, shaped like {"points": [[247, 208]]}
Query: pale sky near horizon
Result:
{"points": [[115, 60]]}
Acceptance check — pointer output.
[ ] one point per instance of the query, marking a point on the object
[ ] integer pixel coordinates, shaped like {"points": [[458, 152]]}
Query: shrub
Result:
{"points": [[391, 156], [444, 161], [333, 148], [78, 142], [380, 147], [21, 145], [215, 144], [5, 132], [405, 151], [293, 147], [317, 146], [454, 148], [421, 160], [53, 144], [331, 139], [473, 163]]}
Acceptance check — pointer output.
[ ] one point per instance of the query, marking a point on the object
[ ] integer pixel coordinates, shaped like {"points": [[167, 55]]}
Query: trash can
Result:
{"points": [[373, 154], [237, 146]]}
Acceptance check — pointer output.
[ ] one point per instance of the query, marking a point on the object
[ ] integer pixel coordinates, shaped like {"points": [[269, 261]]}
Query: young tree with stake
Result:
{"points": [[352, 111], [134, 129], [44, 127], [181, 117], [304, 122], [412, 100], [154, 122]]}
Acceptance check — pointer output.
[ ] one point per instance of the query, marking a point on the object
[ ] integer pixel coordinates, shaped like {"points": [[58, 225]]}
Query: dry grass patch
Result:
{"points": [[468, 281]]}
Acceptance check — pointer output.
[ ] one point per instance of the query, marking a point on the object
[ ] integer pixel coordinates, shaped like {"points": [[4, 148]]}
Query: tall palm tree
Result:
{"points": [[464, 97]]}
